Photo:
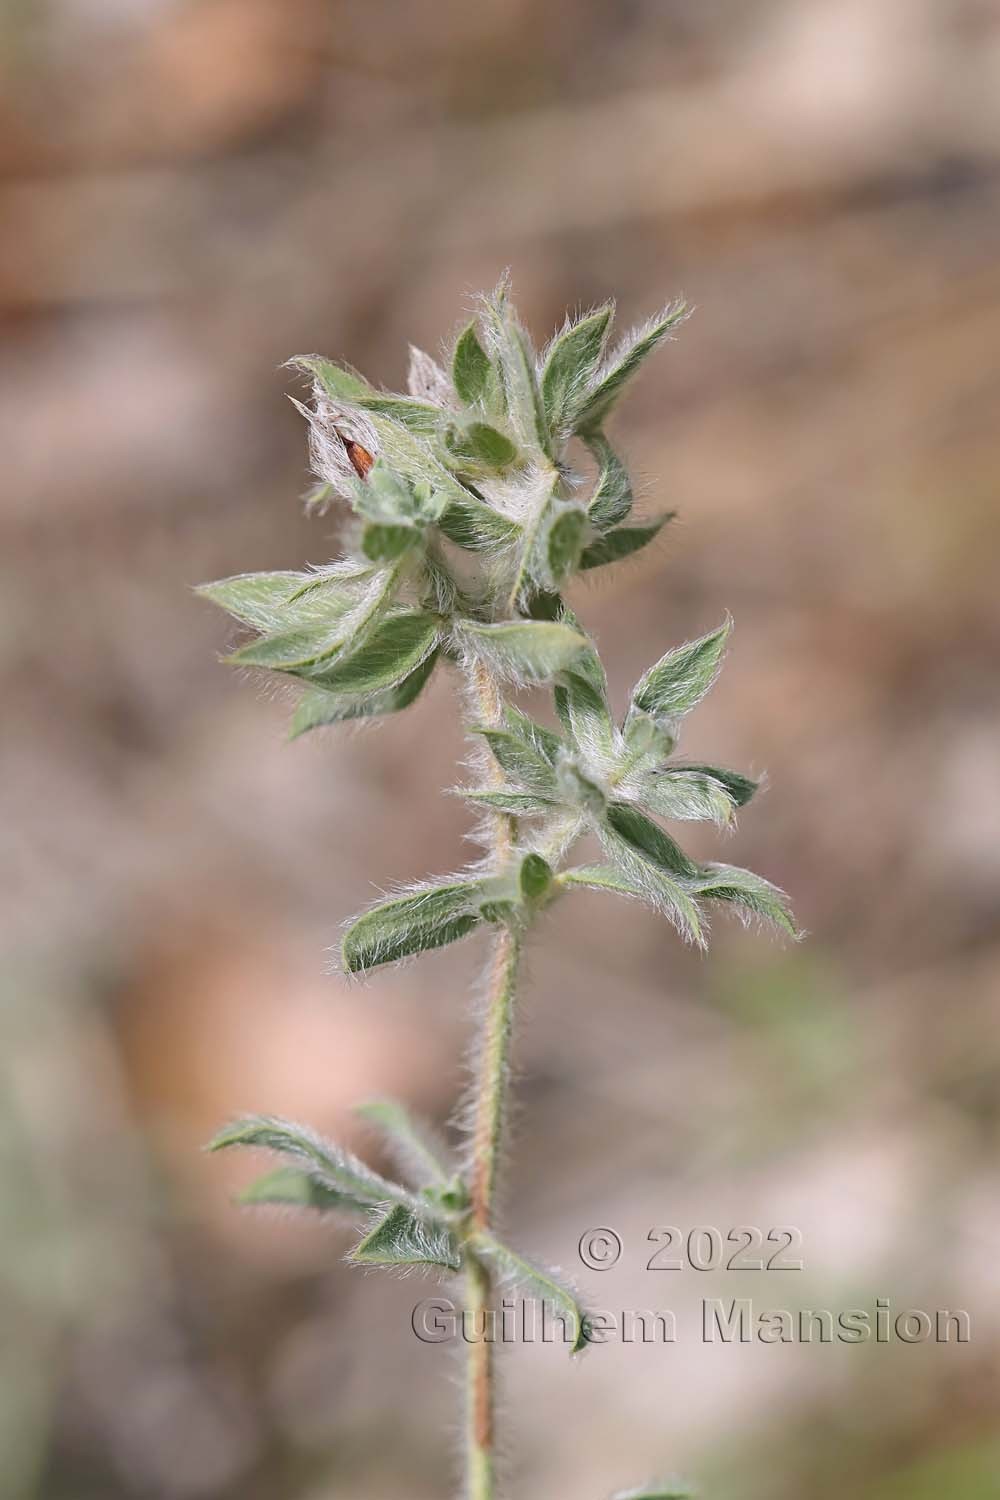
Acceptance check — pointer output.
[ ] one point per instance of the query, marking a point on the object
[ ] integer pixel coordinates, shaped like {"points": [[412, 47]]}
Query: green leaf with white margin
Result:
{"points": [[417, 416], [405, 1238], [472, 374], [429, 917], [543, 741], [571, 361], [318, 706], [622, 542], [394, 649], [413, 1146], [517, 804], [339, 384], [662, 892], [520, 761], [325, 1163], [321, 619], [751, 894], [584, 713], [512, 351], [659, 870], [695, 793], [290, 1187], [558, 544], [521, 650], [623, 363], [474, 525], [682, 677], [611, 500], [257, 599], [546, 1287], [482, 446]]}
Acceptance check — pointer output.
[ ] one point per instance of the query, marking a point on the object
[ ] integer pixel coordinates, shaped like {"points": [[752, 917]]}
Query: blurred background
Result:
{"points": [[194, 190]]}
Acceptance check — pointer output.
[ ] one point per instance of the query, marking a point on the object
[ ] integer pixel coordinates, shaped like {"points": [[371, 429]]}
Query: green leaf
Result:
{"points": [[393, 650], [751, 894], [404, 1238], [290, 1187], [543, 741], [471, 371], [386, 543], [692, 792], [484, 446], [417, 416], [412, 1145], [615, 545], [579, 789], [739, 788], [534, 878], [339, 384], [473, 524], [257, 599], [648, 840], [429, 917], [682, 677], [520, 382], [522, 650], [612, 498], [570, 364], [543, 1285], [325, 1163], [561, 539], [623, 364], [521, 761], [518, 804], [318, 622], [584, 713], [657, 868], [318, 706], [414, 457]]}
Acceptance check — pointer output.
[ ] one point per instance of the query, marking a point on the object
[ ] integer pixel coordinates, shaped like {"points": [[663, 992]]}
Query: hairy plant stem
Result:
{"points": [[487, 1141]]}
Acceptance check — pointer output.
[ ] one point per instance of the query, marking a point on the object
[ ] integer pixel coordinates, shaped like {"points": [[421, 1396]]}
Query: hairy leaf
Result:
{"points": [[393, 650], [484, 446], [386, 542], [658, 869], [319, 622], [412, 1144], [534, 878], [258, 599], [543, 741], [570, 364], [612, 498], [429, 917], [474, 525], [623, 364], [536, 1282], [559, 544], [517, 371], [518, 804], [751, 894], [471, 370], [405, 1238], [615, 545], [417, 416], [338, 383], [319, 706], [584, 713], [291, 1187], [521, 761], [327, 1164], [682, 677], [522, 650], [692, 792]]}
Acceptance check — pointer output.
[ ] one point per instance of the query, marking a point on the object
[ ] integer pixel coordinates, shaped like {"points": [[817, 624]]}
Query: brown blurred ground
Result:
{"points": [[192, 192]]}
